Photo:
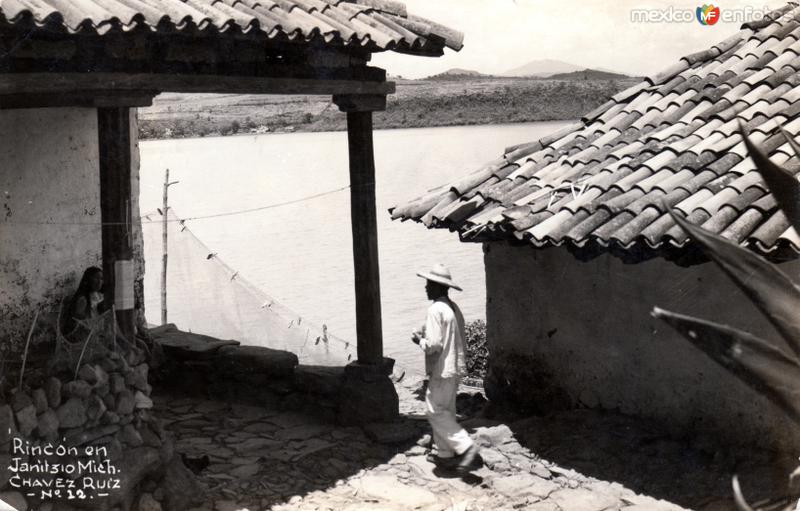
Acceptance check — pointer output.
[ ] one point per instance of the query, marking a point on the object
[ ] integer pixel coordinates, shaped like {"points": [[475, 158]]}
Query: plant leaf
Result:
{"points": [[769, 370], [768, 287], [783, 185]]}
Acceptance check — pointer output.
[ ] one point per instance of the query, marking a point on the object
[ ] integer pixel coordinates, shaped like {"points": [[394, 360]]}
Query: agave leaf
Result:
{"points": [[738, 497], [768, 287], [783, 185], [767, 369], [792, 142]]}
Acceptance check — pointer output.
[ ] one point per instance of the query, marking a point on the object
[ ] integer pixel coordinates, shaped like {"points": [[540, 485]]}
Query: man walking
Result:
{"points": [[442, 340]]}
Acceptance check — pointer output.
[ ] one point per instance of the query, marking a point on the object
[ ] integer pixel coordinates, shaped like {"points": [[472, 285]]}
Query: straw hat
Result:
{"points": [[441, 275]]}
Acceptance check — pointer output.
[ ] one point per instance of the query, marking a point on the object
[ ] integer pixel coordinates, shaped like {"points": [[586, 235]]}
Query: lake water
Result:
{"points": [[301, 254]]}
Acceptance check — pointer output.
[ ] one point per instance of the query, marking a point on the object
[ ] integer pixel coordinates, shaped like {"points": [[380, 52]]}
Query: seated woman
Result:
{"points": [[87, 302]]}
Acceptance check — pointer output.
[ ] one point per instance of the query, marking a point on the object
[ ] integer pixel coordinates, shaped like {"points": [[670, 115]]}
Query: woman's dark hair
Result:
{"points": [[67, 323], [85, 286]]}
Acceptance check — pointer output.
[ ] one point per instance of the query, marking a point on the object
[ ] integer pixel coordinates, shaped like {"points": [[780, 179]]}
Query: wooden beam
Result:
{"points": [[365, 238], [114, 134], [98, 99], [360, 103], [58, 83]]}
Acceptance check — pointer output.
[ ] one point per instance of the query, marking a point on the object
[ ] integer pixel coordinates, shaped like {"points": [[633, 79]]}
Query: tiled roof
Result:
{"points": [[606, 181], [374, 25]]}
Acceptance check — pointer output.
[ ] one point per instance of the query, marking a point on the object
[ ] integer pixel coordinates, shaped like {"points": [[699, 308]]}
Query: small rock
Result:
{"points": [[495, 435], [109, 418], [26, 419], [14, 499], [142, 401], [245, 471], [110, 401], [72, 413], [102, 375], [96, 407], [398, 459], [301, 432], [52, 388], [78, 388], [148, 503], [103, 389], [117, 383], [541, 471], [88, 374], [581, 499], [389, 488], [47, 424], [40, 401], [227, 505], [125, 403], [417, 450], [131, 437], [20, 400], [525, 485], [7, 427], [138, 378], [492, 458]]}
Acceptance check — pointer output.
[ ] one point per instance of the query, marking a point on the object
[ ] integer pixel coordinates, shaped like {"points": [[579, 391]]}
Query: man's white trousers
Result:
{"points": [[440, 401]]}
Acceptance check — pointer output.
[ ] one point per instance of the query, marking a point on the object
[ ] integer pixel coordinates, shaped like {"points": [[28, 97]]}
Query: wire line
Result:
{"points": [[200, 217]]}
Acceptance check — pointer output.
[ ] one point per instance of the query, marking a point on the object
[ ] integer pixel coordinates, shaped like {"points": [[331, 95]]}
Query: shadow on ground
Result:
{"points": [[694, 473]]}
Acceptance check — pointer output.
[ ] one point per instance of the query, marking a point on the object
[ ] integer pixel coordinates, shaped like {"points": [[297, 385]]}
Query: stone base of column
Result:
{"points": [[367, 394]]}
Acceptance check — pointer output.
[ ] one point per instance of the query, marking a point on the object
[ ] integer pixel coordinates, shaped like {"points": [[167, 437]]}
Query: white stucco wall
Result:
{"points": [[587, 326], [50, 217]]}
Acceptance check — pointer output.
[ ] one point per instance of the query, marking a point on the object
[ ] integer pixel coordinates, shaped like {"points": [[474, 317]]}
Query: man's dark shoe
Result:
{"points": [[450, 463], [469, 459]]}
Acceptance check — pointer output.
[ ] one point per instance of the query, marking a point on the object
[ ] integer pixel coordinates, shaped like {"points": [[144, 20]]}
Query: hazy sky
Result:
{"points": [[503, 34]]}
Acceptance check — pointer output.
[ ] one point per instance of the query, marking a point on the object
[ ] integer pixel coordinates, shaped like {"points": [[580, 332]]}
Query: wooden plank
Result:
{"points": [[97, 99], [365, 238], [44, 83], [114, 133], [360, 103]]}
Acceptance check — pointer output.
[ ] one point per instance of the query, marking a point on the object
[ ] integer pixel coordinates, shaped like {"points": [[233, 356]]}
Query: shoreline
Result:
{"points": [[424, 104], [391, 128]]}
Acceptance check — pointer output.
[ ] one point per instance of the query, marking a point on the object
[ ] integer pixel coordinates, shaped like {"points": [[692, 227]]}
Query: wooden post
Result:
{"points": [[165, 207], [365, 228], [113, 126]]}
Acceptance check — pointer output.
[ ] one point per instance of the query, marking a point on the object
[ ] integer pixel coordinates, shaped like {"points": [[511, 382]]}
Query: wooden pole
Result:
{"points": [[365, 238], [164, 246], [164, 251], [114, 133]]}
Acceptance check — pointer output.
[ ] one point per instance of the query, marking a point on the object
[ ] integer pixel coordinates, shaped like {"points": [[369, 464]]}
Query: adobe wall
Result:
{"points": [[566, 333], [50, 216]]}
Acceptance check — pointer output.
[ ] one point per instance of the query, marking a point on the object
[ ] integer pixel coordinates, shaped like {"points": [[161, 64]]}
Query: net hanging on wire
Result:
{"points": [[206, 296]]}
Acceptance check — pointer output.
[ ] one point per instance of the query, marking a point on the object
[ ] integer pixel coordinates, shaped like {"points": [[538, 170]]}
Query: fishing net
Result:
{"points": [[206, 296]]}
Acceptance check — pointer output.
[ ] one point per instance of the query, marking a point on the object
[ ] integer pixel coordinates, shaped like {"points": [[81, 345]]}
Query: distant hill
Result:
{"points": [[542, 68], [456, 74], [588, 74]]}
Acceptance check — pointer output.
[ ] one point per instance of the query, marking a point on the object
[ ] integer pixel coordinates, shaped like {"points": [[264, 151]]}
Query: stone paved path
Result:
{"points": [[270, 459]]}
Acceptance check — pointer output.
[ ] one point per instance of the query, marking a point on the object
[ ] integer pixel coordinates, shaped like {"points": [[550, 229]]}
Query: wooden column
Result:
{"points": [[364, 224], [115, 206]]}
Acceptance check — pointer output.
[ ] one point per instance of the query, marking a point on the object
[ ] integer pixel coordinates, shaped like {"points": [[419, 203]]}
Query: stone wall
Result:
{"points": [[565, 333], [50, 217]]}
